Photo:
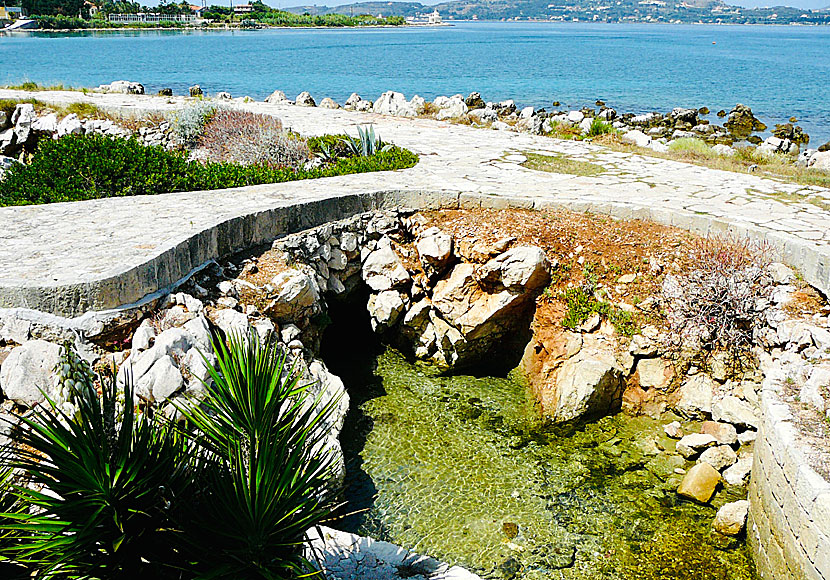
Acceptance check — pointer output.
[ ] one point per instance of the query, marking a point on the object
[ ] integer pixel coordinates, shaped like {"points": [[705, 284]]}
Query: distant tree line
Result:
{"points": [[266, 15]]}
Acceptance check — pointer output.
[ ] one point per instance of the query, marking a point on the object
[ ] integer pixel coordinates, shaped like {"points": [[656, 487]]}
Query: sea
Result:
{"points": [[779, 71]]}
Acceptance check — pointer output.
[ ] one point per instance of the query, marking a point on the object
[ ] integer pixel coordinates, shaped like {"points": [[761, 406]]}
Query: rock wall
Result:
{"points": [[789, 516]]}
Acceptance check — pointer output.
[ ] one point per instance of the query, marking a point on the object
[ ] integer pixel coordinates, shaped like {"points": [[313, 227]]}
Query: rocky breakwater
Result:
{"points": [[654, 130]]}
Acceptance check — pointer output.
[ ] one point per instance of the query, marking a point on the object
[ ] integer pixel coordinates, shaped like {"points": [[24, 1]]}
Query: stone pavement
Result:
{"points": [[96, 255]]}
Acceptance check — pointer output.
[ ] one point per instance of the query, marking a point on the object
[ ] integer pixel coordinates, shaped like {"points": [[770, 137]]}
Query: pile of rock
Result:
{"points": [[450, 308]]}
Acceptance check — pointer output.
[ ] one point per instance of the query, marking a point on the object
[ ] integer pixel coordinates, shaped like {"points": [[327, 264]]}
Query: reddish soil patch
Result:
{"points": [[581, 244]]}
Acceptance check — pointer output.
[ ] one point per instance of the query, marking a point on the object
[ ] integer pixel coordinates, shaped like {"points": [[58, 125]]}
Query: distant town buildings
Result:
{"points": [[150, 17], [243, 9]]}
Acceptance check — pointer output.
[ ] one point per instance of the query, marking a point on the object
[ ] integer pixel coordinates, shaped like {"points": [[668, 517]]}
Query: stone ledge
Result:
{"points": [[113, 294]]}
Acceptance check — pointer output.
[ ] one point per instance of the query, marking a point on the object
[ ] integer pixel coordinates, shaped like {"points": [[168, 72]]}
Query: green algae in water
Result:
{"points": [[461, 468]]}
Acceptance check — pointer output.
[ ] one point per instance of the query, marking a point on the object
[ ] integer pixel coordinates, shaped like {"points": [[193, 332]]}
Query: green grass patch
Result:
{"points": [[692, 146], [561, 164], [79, 167]]}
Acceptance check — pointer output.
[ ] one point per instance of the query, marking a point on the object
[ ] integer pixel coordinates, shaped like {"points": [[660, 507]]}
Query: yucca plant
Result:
{"points": [[366, 144], [265, 475], [9, 504], [101, 480]]}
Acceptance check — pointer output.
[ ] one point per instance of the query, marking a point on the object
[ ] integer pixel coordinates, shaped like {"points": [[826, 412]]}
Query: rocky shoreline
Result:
{"points": [[739, 128]]}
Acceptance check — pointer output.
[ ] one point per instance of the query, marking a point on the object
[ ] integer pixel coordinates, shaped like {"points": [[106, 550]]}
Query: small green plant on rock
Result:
{"points": [[600, 127], [581, 303]]}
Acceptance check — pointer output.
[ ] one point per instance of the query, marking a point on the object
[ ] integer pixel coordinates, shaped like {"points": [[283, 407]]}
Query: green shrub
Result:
{"points": [[600, 127], [692, 146], [81, 167], [112, 475], [265, 471]]}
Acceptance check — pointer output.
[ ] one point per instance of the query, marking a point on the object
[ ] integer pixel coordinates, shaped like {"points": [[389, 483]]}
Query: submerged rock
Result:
{"points": [[731, 518], [699, 483]]}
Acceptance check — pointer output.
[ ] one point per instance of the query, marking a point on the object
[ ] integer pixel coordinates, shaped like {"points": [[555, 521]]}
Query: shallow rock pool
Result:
{"points": [[461, 468]]}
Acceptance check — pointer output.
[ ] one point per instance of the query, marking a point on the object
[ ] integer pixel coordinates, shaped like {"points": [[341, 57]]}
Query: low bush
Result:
{"points": [[189, 123], [691, 146], [719, 305], [250, 139], [81, 167]]}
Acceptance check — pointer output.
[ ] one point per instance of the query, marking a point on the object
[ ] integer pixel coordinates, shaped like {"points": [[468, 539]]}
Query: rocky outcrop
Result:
{"points": [[741, 123]]}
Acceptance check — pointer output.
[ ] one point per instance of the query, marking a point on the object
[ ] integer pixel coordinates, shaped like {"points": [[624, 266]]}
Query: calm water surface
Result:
{"points": [[779, 71]]}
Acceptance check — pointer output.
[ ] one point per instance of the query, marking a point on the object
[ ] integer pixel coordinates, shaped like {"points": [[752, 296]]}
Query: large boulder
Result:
{"points": [[434, 250], [395, 104], [733, 410], [791, 132], [293, 294], [23, 118], [588, 384], [385, 308], [450, 107], [26, 376], [522, 267], [693, 399], [636, 137], [123, 87], [742, 122], [276, 98], [304, 99]]}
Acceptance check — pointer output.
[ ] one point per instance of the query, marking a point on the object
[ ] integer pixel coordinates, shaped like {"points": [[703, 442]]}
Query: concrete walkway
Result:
{"points": [[104, 243]]}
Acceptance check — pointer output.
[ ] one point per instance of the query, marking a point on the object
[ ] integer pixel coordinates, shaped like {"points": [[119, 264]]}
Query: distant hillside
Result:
{"points": [[713, 11]]}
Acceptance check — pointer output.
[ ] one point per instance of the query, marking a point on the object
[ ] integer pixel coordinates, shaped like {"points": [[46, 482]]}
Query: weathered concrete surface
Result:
{"points": [[70, 258]]}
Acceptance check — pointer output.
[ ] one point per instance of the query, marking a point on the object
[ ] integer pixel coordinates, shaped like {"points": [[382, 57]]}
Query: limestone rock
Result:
{"points": [[673, 430], [294, 293], [47, 124], [304, 99], [196, 91], [385, 308], [70, 125], [434, 249], [636, 137], [382, 269], [699, 483], [328, 103], [738, 473], [450, 108], [733, 410], [781, 273], [522, 267], [143, 336], [587, 384], [123, 87], [654, 373], [741, 122], [731, 518], [394, 104], [719, 457], [816, 388], [692, 444], [160, 382], [26, 374], [694, 397], [725, 433], [276, 97]]}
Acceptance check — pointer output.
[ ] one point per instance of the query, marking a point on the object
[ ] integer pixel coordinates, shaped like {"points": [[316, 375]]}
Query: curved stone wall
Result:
{"points": [[789, 516]]}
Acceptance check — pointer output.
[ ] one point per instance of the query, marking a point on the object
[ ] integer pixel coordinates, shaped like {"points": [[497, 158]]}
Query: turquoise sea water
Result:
{"points": [[779, 71]]}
